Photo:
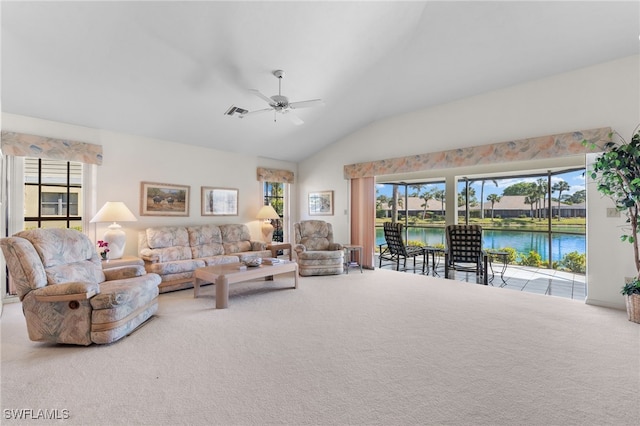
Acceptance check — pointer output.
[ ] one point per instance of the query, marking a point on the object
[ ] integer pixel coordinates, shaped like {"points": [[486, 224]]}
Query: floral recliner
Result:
{"points": [[67, 297], [316, 252]]}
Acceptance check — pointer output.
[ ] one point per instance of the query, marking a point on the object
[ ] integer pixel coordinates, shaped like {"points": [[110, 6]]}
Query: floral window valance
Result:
{"points": [[552, 146], [274, 175], [25, 145]]}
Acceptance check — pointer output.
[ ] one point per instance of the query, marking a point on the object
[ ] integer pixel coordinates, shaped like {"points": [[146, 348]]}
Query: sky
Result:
{"points": [[576, 181]]}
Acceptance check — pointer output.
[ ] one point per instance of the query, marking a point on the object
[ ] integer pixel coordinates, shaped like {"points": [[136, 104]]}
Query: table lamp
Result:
{"points": [[267, 213], [114, 211]]}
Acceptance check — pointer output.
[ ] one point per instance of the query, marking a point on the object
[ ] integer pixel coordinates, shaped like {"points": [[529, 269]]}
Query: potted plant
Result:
{"points": [[631, 292], [617, 173]]}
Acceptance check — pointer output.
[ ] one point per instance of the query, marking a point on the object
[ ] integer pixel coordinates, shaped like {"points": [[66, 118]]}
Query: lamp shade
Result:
{"points": [[114, 211], [267, 212]]}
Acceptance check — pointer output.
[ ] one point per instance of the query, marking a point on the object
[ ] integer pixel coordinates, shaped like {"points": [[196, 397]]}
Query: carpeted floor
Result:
{"points": [[379, 348]]}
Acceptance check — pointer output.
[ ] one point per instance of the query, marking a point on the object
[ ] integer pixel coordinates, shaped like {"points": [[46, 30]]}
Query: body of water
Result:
{"points": [[522, 241]]}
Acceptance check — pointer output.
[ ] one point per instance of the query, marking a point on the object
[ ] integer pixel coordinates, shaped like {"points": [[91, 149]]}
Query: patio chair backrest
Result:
{"points": [[393, 237], [464, 243]]}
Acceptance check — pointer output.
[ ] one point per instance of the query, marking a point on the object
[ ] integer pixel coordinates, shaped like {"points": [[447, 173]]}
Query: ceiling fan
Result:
{"points": [[277, 103]]}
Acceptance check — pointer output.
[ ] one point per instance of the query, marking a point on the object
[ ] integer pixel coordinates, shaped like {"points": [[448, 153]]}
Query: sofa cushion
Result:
{"points": [[24, 263], [314, 235], [167, 243], [220, 260], [167, 236], [133, 292], [170, 254], [322, 256], [205, 241], [84, 270], [175, 267], [66, 255], [59, 246], [235, 238]]}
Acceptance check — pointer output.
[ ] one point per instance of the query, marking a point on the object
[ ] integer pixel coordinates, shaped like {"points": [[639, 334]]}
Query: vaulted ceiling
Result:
{"points": [[170, 70]]}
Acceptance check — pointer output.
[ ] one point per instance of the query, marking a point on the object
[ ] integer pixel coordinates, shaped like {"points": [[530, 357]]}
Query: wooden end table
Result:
{"points": [[275, 247], [223, 275], [123, 261]]}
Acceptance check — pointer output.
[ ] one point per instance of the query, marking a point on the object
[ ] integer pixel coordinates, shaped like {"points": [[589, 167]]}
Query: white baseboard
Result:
{"points": [[606, 304]]}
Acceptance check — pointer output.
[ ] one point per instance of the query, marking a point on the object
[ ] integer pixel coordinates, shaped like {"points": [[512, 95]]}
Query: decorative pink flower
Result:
{"points": [[103, 245]]}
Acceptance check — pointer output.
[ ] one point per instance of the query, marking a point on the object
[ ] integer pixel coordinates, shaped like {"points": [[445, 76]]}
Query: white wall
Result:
{"points": [[598, 96], [606, 95], [129, 160]]}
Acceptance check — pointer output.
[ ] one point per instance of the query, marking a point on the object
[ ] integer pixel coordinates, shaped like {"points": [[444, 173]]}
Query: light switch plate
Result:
{"points": [[613, 212]]}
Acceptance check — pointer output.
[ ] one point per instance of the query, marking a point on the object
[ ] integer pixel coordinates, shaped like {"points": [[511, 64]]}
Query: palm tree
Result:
{"points": [[394, 203], [440, 196], [418, 189], [426, 197], [493, 199], [531, 200], [482, 194], [560, 187], [539, 190]]}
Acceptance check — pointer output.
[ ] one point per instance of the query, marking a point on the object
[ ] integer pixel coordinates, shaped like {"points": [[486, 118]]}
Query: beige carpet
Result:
{"points": [[379, 348]]}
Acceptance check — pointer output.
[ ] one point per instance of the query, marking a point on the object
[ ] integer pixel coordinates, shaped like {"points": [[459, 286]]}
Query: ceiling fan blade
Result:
{"points": [[294, 118], [261, 96], [258, 111], [306, 104]]}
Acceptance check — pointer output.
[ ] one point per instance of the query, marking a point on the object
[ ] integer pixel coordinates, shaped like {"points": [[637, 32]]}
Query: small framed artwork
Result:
{"points": [[219, 201], [321, 203], [163, 199]]}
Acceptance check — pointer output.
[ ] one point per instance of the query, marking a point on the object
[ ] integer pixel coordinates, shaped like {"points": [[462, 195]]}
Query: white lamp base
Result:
{"points": [[117, 240], [267, 232]]}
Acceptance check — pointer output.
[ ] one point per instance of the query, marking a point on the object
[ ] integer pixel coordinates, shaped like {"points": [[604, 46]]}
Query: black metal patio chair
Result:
{"points": [[395, 250], [464, 251]]}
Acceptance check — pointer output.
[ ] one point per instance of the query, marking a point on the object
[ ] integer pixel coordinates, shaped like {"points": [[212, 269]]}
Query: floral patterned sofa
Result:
{"points": [[175, 252], [66, 295]]}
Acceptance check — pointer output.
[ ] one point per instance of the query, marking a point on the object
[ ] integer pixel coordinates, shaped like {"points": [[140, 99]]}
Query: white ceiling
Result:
{"points": [[169, 70]]}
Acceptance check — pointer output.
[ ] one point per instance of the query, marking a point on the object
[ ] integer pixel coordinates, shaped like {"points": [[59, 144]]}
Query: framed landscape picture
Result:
{"points": [[321, 203], [219, 201], [163, 199]]}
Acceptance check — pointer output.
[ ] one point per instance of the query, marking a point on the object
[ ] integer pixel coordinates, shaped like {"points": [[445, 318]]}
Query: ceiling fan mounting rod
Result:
{"points": [[279, 74]]}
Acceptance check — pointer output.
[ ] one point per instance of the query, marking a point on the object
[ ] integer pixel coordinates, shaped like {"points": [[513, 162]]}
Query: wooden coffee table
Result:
{"points": [[229, 273]]}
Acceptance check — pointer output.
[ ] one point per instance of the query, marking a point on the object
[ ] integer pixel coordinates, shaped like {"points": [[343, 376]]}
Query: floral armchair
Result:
{"points": [[67, 297], [316, 252]]}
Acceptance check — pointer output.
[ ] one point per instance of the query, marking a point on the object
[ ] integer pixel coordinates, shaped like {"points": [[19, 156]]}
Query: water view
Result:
{"points": [[522, 241]]}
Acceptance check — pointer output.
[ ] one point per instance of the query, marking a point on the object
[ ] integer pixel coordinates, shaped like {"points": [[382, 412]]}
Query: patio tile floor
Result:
{"points": [[533, 280]]}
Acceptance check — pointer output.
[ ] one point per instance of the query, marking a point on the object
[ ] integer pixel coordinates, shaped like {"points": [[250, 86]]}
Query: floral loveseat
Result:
{"points": [[175, 252], [66, 295]]}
